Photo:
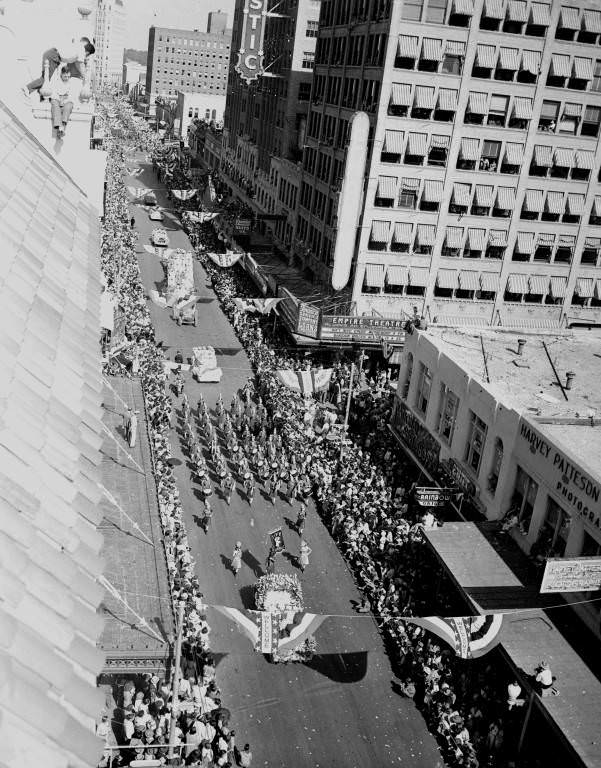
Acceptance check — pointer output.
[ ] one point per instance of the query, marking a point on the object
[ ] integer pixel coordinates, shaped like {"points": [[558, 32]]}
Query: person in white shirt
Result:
{"points": [[65, 92], [544, 677], [128, 726]]}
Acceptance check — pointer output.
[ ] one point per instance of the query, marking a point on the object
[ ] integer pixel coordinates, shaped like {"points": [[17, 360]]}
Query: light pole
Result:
{"points": [[175, 686]]}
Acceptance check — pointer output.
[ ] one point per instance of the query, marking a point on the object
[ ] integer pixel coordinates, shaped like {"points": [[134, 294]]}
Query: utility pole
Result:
{"points": [[175, 687]]}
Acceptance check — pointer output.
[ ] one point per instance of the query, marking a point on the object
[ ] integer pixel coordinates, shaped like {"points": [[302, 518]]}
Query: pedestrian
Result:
{"points": [[179, 358], [270, 563], [249, 487], [132, 429], [228, 485], [132, 222], [303, 557], [237, 558], [245, 757], [300, 519]]}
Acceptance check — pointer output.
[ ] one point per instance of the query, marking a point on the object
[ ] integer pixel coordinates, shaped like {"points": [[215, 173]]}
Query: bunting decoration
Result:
{"points": [[264, 306], [305, 382], [135, 171], [201, 217], [227, 259], [137, 192], [469, 636], [184, 194]]}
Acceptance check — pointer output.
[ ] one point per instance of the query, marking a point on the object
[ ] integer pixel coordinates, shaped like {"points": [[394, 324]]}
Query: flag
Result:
{"points": [[264, 306], [227, 259], [295, 628], [183, 194], [277, 540], [273, 631], [469, 636], [305, 382], [245, 305]]}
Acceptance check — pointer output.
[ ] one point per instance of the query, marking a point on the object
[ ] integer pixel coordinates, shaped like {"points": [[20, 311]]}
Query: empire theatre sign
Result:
{"points": [[250, 56]]}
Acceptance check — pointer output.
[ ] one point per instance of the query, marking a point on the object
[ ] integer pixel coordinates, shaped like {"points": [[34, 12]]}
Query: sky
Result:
{"points": [[186, 14]]}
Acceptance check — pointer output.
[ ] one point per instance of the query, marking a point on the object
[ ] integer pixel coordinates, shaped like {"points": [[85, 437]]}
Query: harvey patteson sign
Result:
{"points": [[580, 574], [250, 56]]}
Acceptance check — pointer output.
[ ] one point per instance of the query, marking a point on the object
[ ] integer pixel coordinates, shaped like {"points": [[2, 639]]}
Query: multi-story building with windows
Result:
{"points": [[481, 200], [265, 121], [187, 60], [110, 42]]}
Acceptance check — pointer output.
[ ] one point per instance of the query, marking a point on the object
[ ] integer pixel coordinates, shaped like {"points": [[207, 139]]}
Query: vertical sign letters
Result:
{"points": [[250, 56]]}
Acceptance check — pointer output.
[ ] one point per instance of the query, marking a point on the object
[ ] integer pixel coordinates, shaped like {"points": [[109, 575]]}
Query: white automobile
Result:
{"points": [[156, 215], [159, 237]]}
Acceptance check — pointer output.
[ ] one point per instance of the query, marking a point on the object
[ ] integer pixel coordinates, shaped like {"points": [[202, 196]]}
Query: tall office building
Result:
{"points": [[110, 42], [265, 120], [481, 202], [187, 60]]}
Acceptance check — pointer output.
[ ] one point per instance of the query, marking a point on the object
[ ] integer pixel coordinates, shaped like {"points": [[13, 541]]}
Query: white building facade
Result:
{"points": [[110, 42]]}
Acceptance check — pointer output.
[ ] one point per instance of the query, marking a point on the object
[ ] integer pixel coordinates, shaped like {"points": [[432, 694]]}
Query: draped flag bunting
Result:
{"points": [[201, 217], [135, 171], [183, 194], [305, 382], [137, 192], [469, 636], [264, 306], [227, 259]]}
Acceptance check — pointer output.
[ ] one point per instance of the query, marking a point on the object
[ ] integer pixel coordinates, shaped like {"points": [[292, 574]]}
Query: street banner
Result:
{"points": [[434, 497], [268, 632], [277, 540], [264, 306], [201, 217], [227, 259], [469, 636], [137, 192], [183, 194], [575, 574], [305, 382]]}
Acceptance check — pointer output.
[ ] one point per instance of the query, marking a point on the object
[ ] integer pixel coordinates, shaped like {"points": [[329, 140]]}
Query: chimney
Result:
{"points": [[570, 375], [521, 345]]}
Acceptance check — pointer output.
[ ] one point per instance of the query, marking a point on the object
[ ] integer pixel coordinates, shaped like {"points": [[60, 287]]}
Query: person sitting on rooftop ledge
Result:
{"points": [[75, 54], [65, 91]]}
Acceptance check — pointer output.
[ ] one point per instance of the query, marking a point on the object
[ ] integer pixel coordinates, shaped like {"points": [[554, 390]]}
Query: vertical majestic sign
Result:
{"points": [[250, 56]]}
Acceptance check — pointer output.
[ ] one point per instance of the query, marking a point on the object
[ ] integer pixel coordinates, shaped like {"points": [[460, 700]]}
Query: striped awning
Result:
{"points": [[596, 211], [397, 275], [505, 198], [432, 191], [387, 187], [476, 239], [592, 242], [476, 103], [584, 159], [575, 204], [569, 18], [379, 231], [417, 144], [393, 142], [424, 97], [439, 142], [558, 287], [563, 157], [431, 49], [514, 153], [485, 56], [409, 184], [462, 194], [540, 14], [469, 280], [403, 232], [591, 22], [454, 237], [525, 242], [554, 202], [418, 276], [447, 278], [455, 48], [374, 275], [534, 200], [483, 196], [509, 58], [538, 284], [598, 289], [400, 95], [531, 62], [426, 234], [585, 287], [560, 65], [447, 100], [517, 10], [463, 7], [517, 283], [494, 9], [489, 281], [498, 237], [582, 69], [543, 155], [470, 149], [545, 240], [408, 46]]}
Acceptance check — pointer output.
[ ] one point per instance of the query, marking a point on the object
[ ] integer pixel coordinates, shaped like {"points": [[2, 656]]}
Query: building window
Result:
{"points": [[449, 405], [424, 385], [312, 28], [591, 121], [308, 60], [489, 158], [524, 496], [555, 531], [548, 116], [408, 374], [475, 442], [495, 470], [412, 10], [590, 546], [436, 11]]}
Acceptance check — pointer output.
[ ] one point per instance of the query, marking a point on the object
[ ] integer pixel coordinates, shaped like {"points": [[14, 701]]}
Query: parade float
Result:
{"points": [[204, 365]]}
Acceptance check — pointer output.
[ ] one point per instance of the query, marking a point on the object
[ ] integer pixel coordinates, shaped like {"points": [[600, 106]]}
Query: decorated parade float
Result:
{"points": [[204, 365]]}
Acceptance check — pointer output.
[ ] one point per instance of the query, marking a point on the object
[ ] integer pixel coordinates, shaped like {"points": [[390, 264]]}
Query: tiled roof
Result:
{"points": [[50, 395]]}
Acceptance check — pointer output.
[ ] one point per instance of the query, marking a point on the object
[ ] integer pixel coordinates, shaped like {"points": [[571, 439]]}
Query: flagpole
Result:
{"points": [[176, 674], [348, 410]]}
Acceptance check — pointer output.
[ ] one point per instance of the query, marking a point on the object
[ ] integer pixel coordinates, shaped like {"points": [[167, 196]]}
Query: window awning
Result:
{"points": [[387, 187], [476, 239], [517, 10], [454, 237], [431, 49], [538, 284], [531, 62], [483, 196], [563, 157], [540, 14], [469, 280], [505, 198], [432, 191], [418, 276], [545, 240], [470, 149], [447, 278], [462, 194], [569, 18], [447, 100], [592, 242], [543, 156], [575, 204], [598, 289], [374, 275], [498, 237], [476, 103], [597, 206], [407, 48], [485, 56], [517, 283], [439, 142], [463, 7], [514, 153], [397, 275], [400, 95], [409, 184], [584, 159], [426, 234], [558, 287], [424, 97], [525, 242], [534, 200], [591, 22], [585, 287], [554, 202], [582, 69], [393, 142], [455, 48], [494, 9], [417, 144], [509, 58], [560, 65], [489, 281], [379, 231], [403, 232]]}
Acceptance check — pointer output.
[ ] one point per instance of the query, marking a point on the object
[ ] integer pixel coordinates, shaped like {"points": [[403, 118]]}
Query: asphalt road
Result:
{"points": [[340, 709]]}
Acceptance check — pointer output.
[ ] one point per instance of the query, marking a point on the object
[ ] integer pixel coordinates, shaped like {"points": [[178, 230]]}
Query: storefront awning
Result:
{"points": [[540, 14], [575, 204], [447, 100], [531, 62], [431, 49], [426, 234], [477, 103], [462, 194], [558, 286], [400, 95], [584, 159], [525, 242], [489, 281], [417, 144], [418, 276], [538, 285], [506, 198], [403, 233], [374, 275], [454, 237], [517, 283], [397, 275], [408, 46], [485, 56], [483, 196], [393, 142], [569, 18], [554, 202], [509, 58], [514, 153], [582, 69], [379, 231], [494, 9], [432, 191], [476, 239], [534, 200], [585, 287], [424, 97], [591, 21], [470, 149], [469, 280], [447, 278], [543, 156], [517, 10], [560, 65], [387, 187]]}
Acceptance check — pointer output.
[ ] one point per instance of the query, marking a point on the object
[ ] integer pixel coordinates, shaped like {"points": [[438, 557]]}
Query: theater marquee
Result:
{"points": [[250, 56]]}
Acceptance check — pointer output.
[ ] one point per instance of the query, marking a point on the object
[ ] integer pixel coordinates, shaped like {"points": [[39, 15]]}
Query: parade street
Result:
{"points": [[340, 709]]}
